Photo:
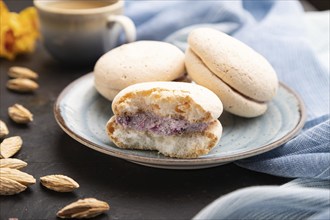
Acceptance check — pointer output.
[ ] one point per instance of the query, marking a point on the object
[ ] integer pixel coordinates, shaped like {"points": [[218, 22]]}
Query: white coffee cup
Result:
{"points": [[80, 31]]}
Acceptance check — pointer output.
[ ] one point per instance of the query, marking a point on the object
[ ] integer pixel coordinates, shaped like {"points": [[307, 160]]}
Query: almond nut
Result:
{"points": [[22, 72], [12, 163], [3, 129], [19, 176], [10, 146], [20, 114], [84, 208], [22, 85], [59, 183], [10, 187]]}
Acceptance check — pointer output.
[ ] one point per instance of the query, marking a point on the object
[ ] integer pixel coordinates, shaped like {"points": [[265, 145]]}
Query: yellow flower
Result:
{"points": [[18, 31]]}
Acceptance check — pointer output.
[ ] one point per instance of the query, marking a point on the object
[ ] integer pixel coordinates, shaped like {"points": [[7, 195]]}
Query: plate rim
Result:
{"points": [[176, 161]]}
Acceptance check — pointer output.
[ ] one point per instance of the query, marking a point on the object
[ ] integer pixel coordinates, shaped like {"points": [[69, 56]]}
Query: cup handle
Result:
{"points": [[127, 24]]}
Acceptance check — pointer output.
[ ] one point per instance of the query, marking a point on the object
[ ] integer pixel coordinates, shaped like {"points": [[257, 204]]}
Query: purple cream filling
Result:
{"points": [[144, 121]]}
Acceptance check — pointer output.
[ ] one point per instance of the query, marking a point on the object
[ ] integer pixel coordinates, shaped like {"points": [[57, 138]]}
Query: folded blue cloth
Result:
{"points": [[305, 156], [276, 30], [295, 200]]}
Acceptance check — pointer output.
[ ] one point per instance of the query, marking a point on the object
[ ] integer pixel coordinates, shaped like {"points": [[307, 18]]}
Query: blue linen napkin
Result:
{"points": [[294, 200], [276, 30]]}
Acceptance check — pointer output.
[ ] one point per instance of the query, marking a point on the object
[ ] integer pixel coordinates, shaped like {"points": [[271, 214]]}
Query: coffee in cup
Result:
{"points": [[79, 32]]}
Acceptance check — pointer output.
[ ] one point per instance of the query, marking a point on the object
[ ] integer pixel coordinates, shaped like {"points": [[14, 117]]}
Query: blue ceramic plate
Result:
{"points": [[82, 113]]}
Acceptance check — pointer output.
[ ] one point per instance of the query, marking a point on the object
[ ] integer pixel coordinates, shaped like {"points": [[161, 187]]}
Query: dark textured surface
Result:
{"points": [[133, 191]]}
